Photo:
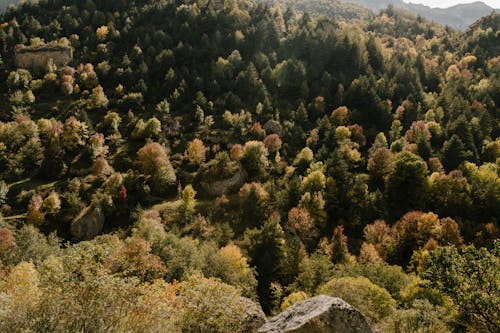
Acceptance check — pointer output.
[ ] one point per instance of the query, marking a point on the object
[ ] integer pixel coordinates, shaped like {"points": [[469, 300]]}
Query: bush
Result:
{"points": [[391, 278], [229, 265], [373, 301], [421, 317], [292, 299], [209, 305]]}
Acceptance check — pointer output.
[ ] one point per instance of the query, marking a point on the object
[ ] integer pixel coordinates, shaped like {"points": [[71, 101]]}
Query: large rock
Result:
{"points": [[88, 224], [320, 314], [219, 187], [253, 316]]}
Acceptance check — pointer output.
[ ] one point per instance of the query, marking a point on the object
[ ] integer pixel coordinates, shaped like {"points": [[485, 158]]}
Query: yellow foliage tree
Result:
{"points": [[196, 152], [102, 32]]}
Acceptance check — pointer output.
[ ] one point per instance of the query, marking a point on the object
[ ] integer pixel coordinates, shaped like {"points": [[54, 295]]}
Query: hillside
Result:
{"points": [[167, 165], [328, 8], [458, 17], [481, 38], [5, 3]]}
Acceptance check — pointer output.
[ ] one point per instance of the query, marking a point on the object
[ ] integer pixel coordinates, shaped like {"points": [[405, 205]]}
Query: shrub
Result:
{"points": [[209, 305], [373, 301], [292, 299], [422, 316]]}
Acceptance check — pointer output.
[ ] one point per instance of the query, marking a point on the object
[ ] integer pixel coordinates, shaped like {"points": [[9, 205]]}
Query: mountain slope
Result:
{"points": [[5, 3], [329, 8], [482, 37], [459, 16]]}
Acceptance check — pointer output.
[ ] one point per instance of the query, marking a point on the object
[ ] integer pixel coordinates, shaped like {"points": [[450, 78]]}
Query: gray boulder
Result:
{"points": [[320, 314], [88, 224], [253, 316]]}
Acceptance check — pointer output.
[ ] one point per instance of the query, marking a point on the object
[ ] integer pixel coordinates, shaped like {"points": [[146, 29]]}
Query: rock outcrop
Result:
{"points": [[320, 314], [88, 224], [217, 188], [253, 317]]}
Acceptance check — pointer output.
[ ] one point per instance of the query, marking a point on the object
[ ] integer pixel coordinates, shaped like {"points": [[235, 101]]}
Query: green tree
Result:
{"points": [[380, 165], [450, 195], [375, 55], [254, 200], [181, 256], [291, 78], [188, 203], [33, 246], [254, 158], [266, 248], [453, 153], [470, 277], [303, 159], [407, 183]]}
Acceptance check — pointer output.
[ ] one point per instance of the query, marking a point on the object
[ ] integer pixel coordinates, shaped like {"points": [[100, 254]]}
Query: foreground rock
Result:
{"points": [[253, 317], [320, 314], [88, 224]]}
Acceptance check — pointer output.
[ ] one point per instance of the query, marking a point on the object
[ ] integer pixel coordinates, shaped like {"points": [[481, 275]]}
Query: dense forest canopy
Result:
{"points": [[234, 148]]}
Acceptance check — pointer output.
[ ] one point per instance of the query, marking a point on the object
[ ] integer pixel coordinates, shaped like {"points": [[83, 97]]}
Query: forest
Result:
{"points": [[194, 152]]}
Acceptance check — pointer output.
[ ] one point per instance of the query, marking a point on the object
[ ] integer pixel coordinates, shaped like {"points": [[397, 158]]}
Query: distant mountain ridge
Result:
{"points": [[458, 16], [5, 3]]}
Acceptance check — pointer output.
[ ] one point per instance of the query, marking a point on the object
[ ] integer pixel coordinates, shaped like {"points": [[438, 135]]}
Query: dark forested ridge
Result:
{"points": [[195, 151]]}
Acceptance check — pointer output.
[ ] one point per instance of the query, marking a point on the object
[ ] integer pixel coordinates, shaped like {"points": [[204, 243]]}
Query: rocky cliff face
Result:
{"points": [[320, 314], [253, 317]]}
